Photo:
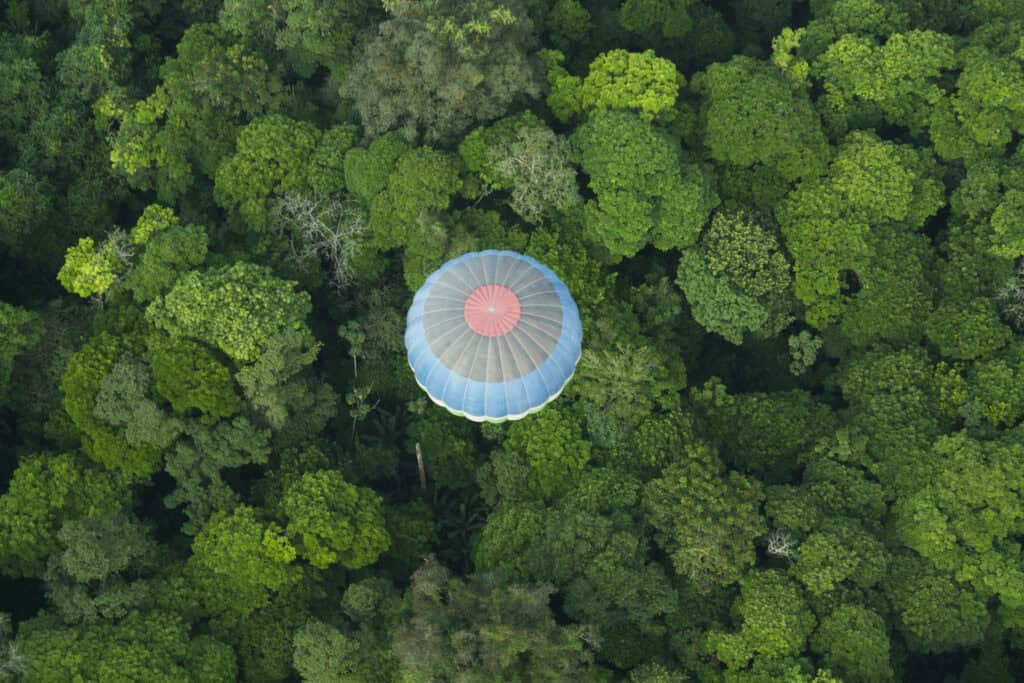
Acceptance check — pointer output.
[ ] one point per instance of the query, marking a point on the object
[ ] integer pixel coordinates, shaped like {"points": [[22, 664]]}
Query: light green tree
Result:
{"points": [[239, 563], [332, 521], [237, 308]]}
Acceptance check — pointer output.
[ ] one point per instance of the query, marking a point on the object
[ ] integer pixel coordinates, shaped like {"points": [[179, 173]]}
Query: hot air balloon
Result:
{"points": [[493, 336]]}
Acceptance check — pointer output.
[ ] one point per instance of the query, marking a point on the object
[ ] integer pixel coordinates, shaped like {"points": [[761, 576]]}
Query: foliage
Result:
{"points": [[239, 562], [828, 223], [521, 155], [188, 123], [154, 646], [189, 376], [749, 101], [169, 249], [645, 194], [46, 491], [705, 518], [435, 69], [483, 627], [618, 79], [737, 279], [89, 270], [963, 520], [587, 546], [95, 576], [776, 621], [554, 447], [854, 644], [20, 330], [308, 34], [791, 449], [196, 463], [271, 158], [237, 308], [332, 521]]}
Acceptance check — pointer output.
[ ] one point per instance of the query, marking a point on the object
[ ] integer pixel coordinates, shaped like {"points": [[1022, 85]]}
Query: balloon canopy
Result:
{"points": [[493, 336]]}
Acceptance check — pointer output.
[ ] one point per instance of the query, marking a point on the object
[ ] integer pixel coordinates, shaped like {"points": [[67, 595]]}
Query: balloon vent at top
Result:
{"points": [[493, 335]]}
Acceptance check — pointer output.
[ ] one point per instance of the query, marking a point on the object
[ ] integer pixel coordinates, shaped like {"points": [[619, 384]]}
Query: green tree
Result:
{"points": [[168, 250], [624, 382], [752, 114], [554, 447], [80, 385], [521, 155], [986, 102], [900, 76], [324, 654], [967, 330], [97, 575], [189, 376], [271, 158], [965, 517], [405, 187], [123, 402], [705, 518], [895, 294], [894, 402], [89, 270], [20, 330], [561, 247], [645, 193], [775, 621], [239, 563], [310, 33], [197, 461], [839, 550], [737, 279], [28, 206], [650, 17], [482, 627], [435, 69], [152, 646], [934, 613], [853, 642], [46, 491], [273, 385], [332, 521], [587, 546], [237, 308], [994, 388], [617, 79], [828, 223], [189, 122], [760, 433]]}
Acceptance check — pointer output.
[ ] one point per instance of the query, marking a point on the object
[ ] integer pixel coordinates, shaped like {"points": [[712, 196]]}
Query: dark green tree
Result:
{"points": [[435, 69], [483, 627]]}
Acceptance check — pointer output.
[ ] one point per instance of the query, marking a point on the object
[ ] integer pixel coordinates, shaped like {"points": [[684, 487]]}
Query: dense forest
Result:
{"points": [[792, 450]]}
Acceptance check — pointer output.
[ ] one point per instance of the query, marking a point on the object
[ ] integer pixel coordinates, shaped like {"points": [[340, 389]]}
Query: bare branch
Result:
{"points": [[330, 230]]}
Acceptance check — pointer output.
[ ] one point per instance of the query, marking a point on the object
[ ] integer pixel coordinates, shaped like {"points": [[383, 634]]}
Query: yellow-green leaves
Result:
{"points": [[89, 270], [238, 563], [332, 521], [638, 81], [618, 79], [236, 308]]}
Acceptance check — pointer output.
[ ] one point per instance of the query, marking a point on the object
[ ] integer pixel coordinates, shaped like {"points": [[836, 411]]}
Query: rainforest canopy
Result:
{"points": [[493, 335]]}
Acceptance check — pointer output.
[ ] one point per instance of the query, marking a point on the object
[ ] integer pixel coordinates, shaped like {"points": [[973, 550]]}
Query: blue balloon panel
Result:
{"points": [[500, 369]]}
